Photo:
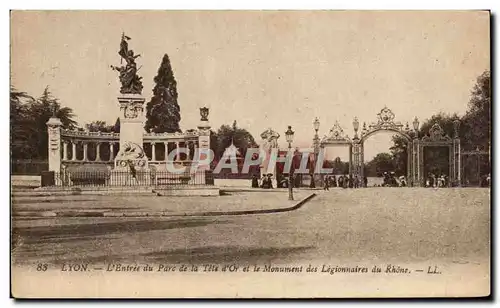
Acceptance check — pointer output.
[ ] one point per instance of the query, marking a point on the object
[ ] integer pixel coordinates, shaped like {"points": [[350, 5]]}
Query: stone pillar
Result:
{"points": [[204, 140], [65, 150], [356, 147], [98, 151], [417, 165], [188, 144], [111, 151], [166, 150], [131, 126], [85, 145], [153, 151], [54, 131], [177, 150], [73, 154]]}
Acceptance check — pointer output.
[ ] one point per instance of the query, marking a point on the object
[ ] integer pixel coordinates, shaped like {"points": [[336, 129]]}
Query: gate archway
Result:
{"points": [[337, 137], [436, 137], [385, 122]]}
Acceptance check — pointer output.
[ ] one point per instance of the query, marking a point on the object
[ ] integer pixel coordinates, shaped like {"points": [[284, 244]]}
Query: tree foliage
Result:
{"points": [[116, 127], [241, 138], [382, 162], [163, 111], [100, 126], [477, 120], [339, 167], [29, 138], [474, 131]]}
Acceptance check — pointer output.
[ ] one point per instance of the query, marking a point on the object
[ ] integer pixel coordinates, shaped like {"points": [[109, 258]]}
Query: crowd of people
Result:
{"points": [[265, 182], [391, 180], [434, 180], [344, 181], [348, 181]]}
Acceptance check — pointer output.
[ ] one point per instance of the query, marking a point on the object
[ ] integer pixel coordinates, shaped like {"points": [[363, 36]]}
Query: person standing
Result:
{"points": [[270, 181], [133, 171], [326, 185], [255, 181]]}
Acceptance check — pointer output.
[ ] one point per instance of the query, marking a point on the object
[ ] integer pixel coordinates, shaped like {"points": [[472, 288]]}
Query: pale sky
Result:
{"points": [[262, 69]]}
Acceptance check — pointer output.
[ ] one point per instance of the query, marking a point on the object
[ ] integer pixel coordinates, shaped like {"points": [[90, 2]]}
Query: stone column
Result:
{"points": [[73, 154], [153, 151], [177, 145], [204, 142], [85, 151], [111, 151], [98, 151], [65, 150], [188, 143], [54, 131], [166, 150]]}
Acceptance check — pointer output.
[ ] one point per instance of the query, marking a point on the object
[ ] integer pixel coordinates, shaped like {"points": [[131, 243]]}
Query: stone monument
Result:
{"points": [[131, 153]]}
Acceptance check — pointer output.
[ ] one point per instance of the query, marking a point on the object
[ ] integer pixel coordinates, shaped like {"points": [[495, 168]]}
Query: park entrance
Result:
{"points": [[415, 146]]}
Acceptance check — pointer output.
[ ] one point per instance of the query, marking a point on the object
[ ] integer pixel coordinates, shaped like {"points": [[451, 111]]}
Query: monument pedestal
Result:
{"points": [[131, 157]]}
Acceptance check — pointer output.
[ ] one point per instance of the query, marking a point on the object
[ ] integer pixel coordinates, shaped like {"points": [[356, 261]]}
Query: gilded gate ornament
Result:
{"points": [[436, 133], [335, 134]]}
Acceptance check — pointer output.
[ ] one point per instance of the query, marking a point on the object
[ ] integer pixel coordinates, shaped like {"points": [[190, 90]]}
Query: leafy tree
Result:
{"points": [[477, 120], [29, 138], [338, 166], [382, 162], [163, 111], [226, 134], [475, 130], [99, 126], [399, 152], [20, 123], [116, 127]]}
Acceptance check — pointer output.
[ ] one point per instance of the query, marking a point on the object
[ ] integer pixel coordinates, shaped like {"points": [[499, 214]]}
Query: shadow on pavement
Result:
{"points": [[75, 232], [220, 254]]}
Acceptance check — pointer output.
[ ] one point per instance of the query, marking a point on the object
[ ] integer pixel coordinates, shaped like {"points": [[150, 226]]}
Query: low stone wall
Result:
{"points": [[233, 183], [26, 180]]}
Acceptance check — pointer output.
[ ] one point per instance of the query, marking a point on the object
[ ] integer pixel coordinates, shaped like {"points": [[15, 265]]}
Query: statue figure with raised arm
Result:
{"points": [[131, 82]]}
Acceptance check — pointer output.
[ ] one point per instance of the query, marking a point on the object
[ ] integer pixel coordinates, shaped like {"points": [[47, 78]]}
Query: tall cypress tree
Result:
{"points": [[163, 111]]}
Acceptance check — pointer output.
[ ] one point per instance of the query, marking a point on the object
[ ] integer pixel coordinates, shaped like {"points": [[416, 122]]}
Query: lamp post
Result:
{"points": [[316, 151], [415, 154], [289, 138], [355, 124]]}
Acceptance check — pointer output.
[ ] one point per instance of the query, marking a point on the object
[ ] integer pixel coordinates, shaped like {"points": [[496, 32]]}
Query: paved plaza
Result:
{"points": [[416, 228], [401, 224]]}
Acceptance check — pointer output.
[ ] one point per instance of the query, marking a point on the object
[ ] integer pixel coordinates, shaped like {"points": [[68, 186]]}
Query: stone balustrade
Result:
{"points": [[83, 150]]}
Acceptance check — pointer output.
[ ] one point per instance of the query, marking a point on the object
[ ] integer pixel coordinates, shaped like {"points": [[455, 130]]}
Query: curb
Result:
{"points": [[274, 190], [98, 213]]}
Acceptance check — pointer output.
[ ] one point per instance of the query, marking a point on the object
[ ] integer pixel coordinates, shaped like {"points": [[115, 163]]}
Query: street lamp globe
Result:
{"points": [[316, 124], [415, 124], [289, 134], [355, 123]]}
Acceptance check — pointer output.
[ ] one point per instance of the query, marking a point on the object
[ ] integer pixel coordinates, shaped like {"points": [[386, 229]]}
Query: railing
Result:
{"points": [[129, 179]]}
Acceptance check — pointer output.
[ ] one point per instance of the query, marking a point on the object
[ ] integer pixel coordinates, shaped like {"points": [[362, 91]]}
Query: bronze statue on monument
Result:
{"points": [[131, 82]]}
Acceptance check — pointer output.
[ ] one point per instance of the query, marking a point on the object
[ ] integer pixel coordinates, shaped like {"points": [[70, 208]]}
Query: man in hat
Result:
{"points": [[270, 180], [133, 171]]}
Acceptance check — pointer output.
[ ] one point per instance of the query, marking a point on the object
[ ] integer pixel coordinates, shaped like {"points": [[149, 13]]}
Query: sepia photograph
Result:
{"points": [[250, 154]]}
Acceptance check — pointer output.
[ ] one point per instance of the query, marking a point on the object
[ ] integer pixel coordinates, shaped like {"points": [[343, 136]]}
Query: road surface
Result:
{"points": [[413, 228]]}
